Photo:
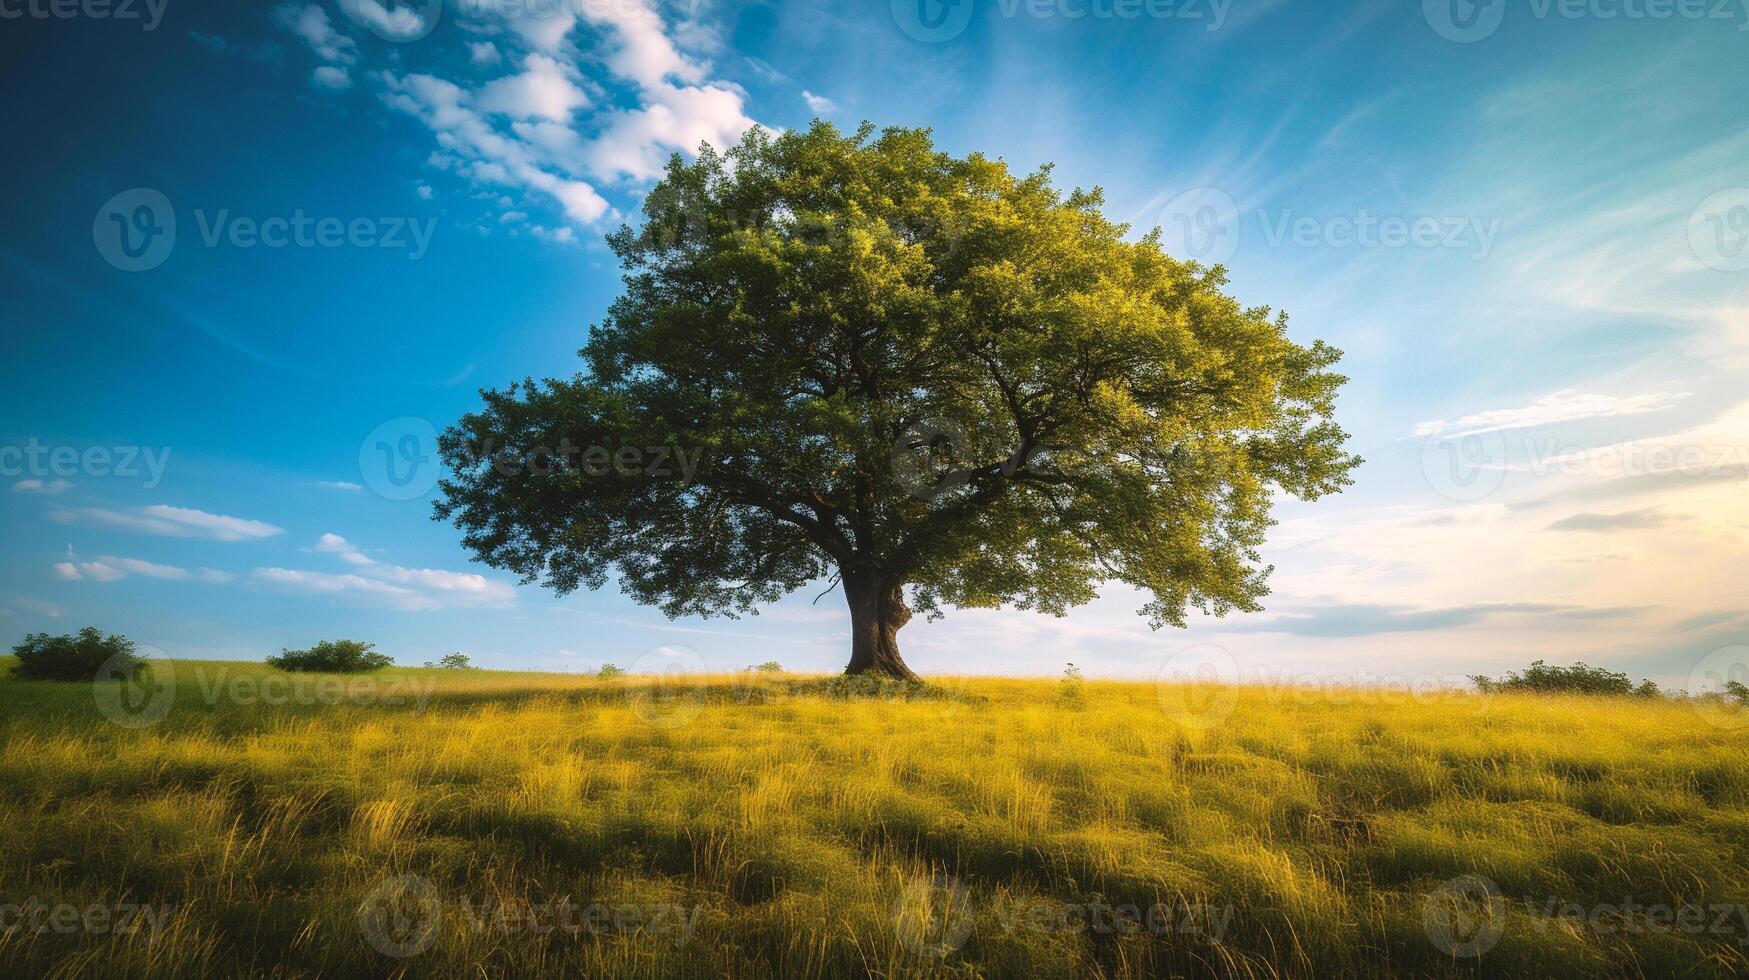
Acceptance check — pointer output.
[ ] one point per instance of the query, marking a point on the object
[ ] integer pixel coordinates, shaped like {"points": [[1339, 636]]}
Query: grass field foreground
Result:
{"points": [[446, 823]]}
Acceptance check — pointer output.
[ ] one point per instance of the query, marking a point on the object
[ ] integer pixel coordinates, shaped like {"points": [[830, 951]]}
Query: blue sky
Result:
{"points": [[1524, 222]]}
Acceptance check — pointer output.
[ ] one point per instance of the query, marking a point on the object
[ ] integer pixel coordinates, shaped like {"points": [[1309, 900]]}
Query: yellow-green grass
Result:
{"points": [[983, 830]]}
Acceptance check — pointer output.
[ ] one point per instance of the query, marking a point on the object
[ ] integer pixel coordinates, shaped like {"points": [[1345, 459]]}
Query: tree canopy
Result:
{"points": [[855, 356]]}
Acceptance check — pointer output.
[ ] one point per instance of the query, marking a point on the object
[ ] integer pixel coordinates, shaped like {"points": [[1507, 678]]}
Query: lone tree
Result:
{"points": [[935, 382]]}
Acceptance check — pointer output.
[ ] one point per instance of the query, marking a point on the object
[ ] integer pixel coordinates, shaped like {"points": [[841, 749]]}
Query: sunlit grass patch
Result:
{"points": [[782, 826]]}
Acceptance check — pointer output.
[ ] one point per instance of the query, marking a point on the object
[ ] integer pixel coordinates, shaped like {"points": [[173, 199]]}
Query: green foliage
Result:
{"points": [[769, 667], [918, 372], [453, 661], [609, 671], [1581, 678], [1738, 691], [77, 657], [332, 657]]}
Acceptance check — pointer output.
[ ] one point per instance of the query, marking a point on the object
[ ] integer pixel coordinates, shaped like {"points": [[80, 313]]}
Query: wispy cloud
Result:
{"points": [[167, 521], [47, 488], [1561, 406], [1649, 517]]}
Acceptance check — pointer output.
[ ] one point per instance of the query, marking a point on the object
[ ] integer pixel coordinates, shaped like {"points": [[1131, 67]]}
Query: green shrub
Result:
{"points": [[1738, 691], [42, 657], [331, 657], [609, 671], [769, 667], [1581, 678], [453, 661]]}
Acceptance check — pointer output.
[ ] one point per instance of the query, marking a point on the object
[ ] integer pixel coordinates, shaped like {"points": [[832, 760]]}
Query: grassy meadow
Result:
{"points": [[240, 822]]}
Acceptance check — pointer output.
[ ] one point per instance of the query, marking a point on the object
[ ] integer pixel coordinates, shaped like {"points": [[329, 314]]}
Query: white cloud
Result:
{"points": [[545, 90], [175, 522], [425, 194], [1562, 406], [483, 53], [354, 588], [48, 489], [460, 588], [310, 22], [638, 142], [334, 544], [553, 236], [463, 131], [110, 568], [818, 104], [402, 23], [344, 485], [331, 78]]}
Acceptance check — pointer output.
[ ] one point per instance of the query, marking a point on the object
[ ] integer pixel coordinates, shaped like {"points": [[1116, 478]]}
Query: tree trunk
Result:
{"points": [[877, 610]]}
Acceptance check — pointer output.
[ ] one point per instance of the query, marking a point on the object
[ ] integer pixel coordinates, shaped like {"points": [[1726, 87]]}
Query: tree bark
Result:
{"points": [[877, 611]]}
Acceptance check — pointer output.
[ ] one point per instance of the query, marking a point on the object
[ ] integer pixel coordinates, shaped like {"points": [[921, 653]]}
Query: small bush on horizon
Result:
{"points": [[1070, 686], [1737, 690], [609, 671], [453, 661], [768, 667], [77, 657], [332, 657], [1581, 678]]}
